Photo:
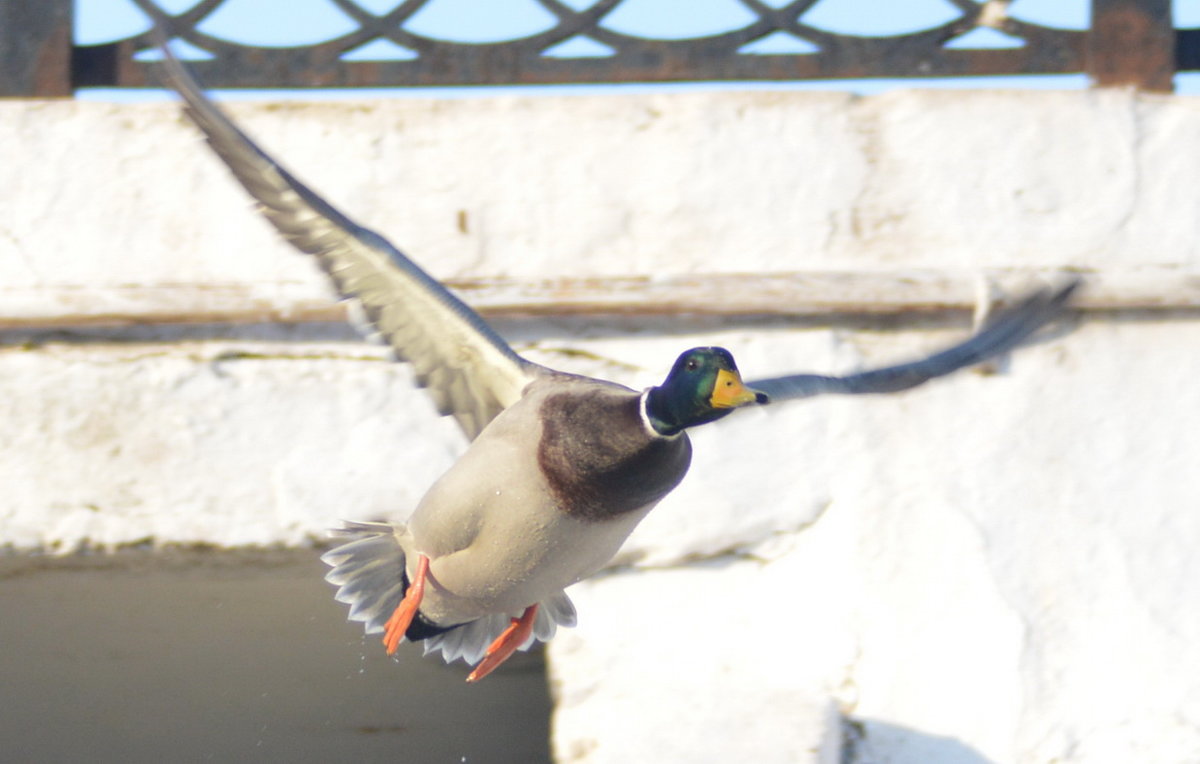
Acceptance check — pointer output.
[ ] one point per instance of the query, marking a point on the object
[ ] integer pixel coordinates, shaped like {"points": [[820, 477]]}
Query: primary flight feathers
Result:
{"points": [[471, 372]]}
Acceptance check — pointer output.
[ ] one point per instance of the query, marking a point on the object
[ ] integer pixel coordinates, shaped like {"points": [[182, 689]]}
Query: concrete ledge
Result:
{"points": [[726, 294], [602, 202]]}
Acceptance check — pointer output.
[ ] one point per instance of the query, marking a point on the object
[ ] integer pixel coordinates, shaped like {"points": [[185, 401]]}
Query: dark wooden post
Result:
{"points": [[1132, 42], [35, 48]]}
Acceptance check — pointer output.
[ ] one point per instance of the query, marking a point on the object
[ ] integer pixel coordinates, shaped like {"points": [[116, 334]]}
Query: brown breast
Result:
{"points": [[598, 457]]}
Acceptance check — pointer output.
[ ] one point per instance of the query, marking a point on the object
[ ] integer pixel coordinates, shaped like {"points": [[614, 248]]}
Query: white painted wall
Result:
{"points": [[989, 568]]}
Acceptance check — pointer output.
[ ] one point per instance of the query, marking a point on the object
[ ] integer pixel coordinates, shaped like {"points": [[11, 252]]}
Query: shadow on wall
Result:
{"points": [[866, 741]]}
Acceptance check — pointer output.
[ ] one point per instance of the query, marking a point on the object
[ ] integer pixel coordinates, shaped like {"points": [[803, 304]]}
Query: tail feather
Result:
{"points": [[470, 641], [369, 571], [560, 610]]}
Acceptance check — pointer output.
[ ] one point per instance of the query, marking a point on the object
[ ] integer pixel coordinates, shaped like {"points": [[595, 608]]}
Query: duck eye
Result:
{"points": [[692, 365]]}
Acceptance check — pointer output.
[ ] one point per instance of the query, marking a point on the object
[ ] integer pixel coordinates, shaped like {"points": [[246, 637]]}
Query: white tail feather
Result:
{"points": [[369, 572]]}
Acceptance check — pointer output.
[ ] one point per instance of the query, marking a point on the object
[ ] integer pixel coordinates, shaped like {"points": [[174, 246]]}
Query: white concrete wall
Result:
{"points": [[990, 568]]}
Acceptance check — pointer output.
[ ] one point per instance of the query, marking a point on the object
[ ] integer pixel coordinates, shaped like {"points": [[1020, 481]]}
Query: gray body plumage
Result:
{"points": [[541, 499], [499, 496]]}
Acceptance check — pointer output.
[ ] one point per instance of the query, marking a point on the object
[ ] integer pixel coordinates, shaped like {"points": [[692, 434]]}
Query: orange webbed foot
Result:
{"points": [[407, 609], [506, 644]]}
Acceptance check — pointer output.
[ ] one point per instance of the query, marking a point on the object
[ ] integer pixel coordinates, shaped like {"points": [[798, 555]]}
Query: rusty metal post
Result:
{"points": [[1132, 43], [35, 48]]}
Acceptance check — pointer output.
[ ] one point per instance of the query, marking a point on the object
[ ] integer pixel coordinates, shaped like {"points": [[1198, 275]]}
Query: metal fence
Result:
{"points": [[1129, 43]]}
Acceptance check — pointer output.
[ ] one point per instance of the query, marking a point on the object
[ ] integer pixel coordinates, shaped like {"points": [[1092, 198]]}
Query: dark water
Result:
{"points": [[203, 656]]}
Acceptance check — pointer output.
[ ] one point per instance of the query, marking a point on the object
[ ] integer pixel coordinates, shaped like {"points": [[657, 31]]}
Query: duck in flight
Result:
{"points": [[560, 467]]}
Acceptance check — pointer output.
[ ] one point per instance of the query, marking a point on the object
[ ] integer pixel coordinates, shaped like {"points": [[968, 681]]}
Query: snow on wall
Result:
{"points": [[990, 568]]}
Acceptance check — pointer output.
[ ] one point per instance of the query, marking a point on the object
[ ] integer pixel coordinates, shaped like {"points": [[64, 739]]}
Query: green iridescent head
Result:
{"points": [[703, 386]]}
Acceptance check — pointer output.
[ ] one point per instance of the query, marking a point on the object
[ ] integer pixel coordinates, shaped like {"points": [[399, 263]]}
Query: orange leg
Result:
{"points": [[407, 609], [506, 644]]}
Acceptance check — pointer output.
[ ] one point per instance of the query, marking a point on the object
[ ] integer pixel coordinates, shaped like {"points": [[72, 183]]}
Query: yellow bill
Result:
{"points": [[729, 392]]}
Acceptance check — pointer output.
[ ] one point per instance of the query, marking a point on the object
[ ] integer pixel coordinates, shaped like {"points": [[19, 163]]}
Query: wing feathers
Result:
{"points": [[1004, 332], [470, 371]]}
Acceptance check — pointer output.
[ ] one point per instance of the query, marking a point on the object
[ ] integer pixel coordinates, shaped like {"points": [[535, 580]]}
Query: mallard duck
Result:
{"points": [[560, 468]]}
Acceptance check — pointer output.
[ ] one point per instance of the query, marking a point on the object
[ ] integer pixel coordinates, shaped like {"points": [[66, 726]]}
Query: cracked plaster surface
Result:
{"points": [[993, 568]]}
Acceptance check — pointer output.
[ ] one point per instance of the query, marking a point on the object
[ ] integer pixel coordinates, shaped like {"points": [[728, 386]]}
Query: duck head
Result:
{"points": [[703, 386]]}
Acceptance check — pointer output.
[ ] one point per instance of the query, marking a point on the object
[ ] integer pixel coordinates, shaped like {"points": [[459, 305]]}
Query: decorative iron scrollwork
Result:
{"points": [[531, 60], [1130, 42]]}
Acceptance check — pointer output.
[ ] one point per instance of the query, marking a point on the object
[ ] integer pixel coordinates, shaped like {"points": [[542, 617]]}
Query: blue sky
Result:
{"points": [[295, 22]]}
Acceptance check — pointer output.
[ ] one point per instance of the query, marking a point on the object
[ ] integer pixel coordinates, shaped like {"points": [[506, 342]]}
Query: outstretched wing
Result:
{"points": [[471, 372], [1004, 332]]}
